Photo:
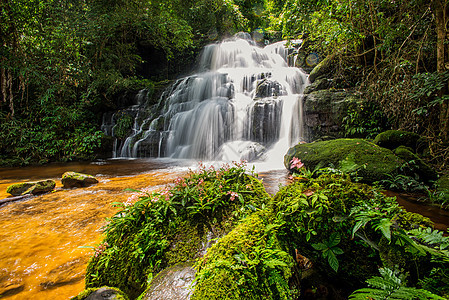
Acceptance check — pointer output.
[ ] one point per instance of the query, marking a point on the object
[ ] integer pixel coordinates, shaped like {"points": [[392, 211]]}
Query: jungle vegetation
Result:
{"points": [[63, 62]]}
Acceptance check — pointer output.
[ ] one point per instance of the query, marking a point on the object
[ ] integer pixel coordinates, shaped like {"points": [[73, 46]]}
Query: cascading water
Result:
{"points": [[244, 101]]}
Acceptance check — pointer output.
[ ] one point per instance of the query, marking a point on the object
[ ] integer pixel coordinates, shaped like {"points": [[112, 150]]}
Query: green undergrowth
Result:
{"points": [[169, 226], [248, 263], [346, 230], [322, 235]]}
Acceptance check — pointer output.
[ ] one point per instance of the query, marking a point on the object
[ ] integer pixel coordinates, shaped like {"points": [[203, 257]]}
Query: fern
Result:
{"points": [[431, 237], [390, 286]]}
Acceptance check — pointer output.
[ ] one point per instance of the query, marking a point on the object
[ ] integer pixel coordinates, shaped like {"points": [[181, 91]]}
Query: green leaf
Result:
{"points": [[384, 226], [334, 239], [333, 261], [320, 246]]}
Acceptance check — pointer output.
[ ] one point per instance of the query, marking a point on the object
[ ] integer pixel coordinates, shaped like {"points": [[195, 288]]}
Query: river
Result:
{"points": [[45, 240]]}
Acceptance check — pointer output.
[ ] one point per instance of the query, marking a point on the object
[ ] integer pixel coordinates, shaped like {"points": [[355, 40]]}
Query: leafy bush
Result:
{"points": [[139, 236]]}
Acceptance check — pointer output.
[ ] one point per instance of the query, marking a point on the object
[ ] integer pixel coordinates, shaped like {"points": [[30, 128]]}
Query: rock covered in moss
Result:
{"points": [[392, 139], [73, 179], [416, 164], [172, 283], [369, 161], [103, 293], [247, 263], [323, 68], [33, 188]]}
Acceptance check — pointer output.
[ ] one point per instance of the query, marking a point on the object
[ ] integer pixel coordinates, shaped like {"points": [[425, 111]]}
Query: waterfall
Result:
{"points": [[243, 101]]}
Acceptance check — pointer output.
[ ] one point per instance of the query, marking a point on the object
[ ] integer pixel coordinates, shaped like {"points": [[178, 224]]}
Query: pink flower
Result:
{"points": [[296, 163], [233, 195]]}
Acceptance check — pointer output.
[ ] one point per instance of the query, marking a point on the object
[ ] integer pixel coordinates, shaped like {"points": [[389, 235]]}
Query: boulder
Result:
{"points": [[392, 139], [172, 283], [103, 293], [416, 164], [73, 179], [34, 188], [357, 156], [324, 111], [317, 85], [268, 88], [324, 68]]}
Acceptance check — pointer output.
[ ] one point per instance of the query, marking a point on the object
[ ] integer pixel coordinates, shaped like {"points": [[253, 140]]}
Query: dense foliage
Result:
{"points": [[139, 238], [392, 52], [63, 63], [319, 236]]}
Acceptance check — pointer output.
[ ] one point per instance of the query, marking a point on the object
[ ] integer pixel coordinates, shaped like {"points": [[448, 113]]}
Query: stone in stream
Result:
{"points": [[73, 179], [34, 188], [353, 156], [103, 293], [172, 283]]}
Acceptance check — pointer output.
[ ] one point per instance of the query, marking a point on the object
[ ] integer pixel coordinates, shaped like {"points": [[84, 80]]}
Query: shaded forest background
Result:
{"points": [[63, 63]]}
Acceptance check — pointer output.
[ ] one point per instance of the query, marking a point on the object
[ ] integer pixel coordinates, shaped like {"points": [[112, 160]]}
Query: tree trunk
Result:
{"points": [[441, 18]]}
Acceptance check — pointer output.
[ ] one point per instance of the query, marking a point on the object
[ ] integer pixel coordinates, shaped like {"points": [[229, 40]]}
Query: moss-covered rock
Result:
{"points": [[248, 263], [163, 229], [33, 188], [73, 179], [416, 164], [392, 139], [324, 68], [172, 283], [102, 293], [357, 156], [317, 85]]}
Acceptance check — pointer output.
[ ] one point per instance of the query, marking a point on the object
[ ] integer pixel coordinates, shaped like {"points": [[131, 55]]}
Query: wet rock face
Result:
{"points": [[104, 293], [172, 283], [268, 88], [324, 111], [33, 188], [73, 179]]}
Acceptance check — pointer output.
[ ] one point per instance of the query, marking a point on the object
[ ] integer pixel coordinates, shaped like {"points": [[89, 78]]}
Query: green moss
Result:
{"points": [[171, 227], [408, 220], [392, 139], [186, 241], [247, 263], [34, 188], [18, 189], [119, 295], [323, 68], [415, 164], [356, 156]]}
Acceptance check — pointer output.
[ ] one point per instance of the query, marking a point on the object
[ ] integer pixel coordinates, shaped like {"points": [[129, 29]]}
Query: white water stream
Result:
{"points": [[245, 102]]}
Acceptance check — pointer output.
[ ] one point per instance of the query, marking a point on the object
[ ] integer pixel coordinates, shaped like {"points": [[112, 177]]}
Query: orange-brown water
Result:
{"points": [[40, 237]]}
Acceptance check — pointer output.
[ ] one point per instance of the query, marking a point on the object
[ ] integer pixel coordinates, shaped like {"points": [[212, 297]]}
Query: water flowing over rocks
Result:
{"points": [[243, 96]]}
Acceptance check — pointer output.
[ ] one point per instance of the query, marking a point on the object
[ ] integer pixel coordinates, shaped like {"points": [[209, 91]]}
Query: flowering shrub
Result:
{"points": [[138, 237]]}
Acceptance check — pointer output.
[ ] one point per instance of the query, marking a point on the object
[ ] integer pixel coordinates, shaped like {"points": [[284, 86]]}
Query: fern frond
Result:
{"points": [[390, 287]]}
